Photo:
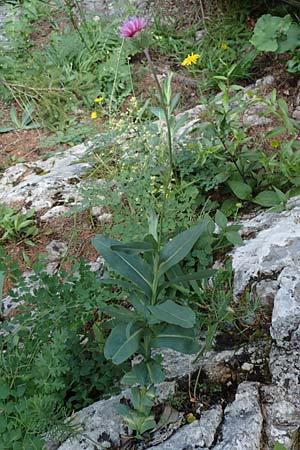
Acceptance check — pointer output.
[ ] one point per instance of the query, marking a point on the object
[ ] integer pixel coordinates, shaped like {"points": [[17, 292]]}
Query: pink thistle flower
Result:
{"points": [[132, 26]]}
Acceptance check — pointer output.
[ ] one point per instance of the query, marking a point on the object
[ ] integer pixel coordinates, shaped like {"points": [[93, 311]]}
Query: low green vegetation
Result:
{"points": [[53, 363], [279, 35], [175, 193], [15, 225]]}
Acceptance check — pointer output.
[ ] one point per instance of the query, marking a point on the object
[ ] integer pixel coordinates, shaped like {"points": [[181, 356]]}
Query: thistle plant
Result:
{"points": [[157, 314]]}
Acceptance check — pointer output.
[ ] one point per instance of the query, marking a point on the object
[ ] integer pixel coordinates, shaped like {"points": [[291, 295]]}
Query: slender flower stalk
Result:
{"points": [[129, 29], [164, 106]]}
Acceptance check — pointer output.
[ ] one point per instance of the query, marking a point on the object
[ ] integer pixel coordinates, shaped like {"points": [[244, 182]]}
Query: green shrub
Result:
{"points": [[51, 354]]}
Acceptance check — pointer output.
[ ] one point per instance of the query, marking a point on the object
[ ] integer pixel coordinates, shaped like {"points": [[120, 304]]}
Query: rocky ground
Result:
{"points": [[260, 381], [259, 402], [262, 378]]}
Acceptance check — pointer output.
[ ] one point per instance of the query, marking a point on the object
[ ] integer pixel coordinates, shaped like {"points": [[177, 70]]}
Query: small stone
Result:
{"points": [[56, 250], [199, 35], [54, 212], [97, 265], [248, 367], [296, 113], [105, 218], [96, 211]]}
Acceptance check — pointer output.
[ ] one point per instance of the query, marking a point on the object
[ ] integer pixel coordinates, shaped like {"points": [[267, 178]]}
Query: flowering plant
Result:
{"points": [[158, 316]]}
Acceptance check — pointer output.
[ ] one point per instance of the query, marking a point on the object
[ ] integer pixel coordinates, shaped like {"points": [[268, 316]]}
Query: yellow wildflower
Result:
{"points": [[274, 143], [93, 115], [98, 99], [224, 46], [190, 59]]}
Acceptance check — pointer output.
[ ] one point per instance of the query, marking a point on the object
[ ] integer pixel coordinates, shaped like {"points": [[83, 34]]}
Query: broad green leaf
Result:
{"points": [[122, 409], [148, 424], [281, 195], [129, 379], [149, 372], [221, 219], [240, 189], [6, 129], [267, 198], [173, 313], [14, 117], [283, 106], [199, 275], [180, 246], [234, 238], [228, 206], [158, 112], [131, 267], [119, 313], [181, 339], [120, 346], [3, 423], [133, 247], [139, 304], [4, 390]]}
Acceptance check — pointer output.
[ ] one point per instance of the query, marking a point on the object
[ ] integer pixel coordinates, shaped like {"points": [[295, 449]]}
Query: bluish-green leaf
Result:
{"points": [[119, 312], [149, 372], [221, 220], [129, 266], [267, 198], [240, 189], [133, 247], [181, 339], [180, 246], [234, 238], [173, 313], [121, 346]]}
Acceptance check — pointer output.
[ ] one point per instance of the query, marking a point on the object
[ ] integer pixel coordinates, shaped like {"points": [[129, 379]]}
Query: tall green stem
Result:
{"points": [[115, 80], [164, 106], [75, 24]]}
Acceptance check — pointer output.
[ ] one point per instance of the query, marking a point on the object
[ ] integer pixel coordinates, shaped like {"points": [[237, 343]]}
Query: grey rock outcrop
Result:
{"points": [[242, 428], [198, 435], [268, 264], [52, 184]]}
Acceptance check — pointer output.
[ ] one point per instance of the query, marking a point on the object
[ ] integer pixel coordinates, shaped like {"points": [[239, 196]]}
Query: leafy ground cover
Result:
{"points": [[174, 199]]}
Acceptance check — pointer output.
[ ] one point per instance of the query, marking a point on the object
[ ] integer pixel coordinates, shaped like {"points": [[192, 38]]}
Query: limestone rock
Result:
{"points": [[198, 435], [56, 250], [242, 427], [286, 312], [296, 113], [53, 184], [100, 423], [275, 247], [254, 115]]}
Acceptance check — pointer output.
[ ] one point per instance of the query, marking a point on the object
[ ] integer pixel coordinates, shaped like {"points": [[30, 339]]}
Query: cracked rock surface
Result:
{"points": [[52, 184], [242, 427]]}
